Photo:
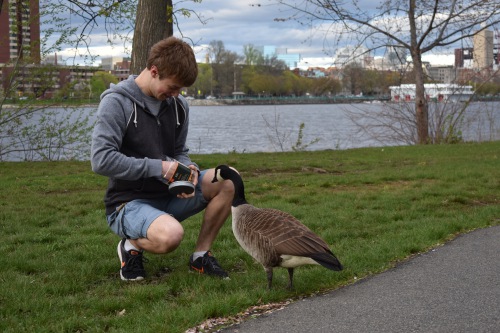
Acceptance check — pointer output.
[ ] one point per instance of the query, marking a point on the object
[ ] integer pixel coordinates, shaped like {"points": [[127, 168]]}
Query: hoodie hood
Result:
{"points": [[127, 88], [134, 94]]}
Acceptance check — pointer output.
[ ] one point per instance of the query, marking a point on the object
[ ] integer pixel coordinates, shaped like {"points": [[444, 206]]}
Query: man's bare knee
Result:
{"points": [[164, 235], [168, 242]]}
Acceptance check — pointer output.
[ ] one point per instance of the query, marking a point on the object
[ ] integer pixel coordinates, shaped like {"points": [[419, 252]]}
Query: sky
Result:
{"points": [[240, 22]]}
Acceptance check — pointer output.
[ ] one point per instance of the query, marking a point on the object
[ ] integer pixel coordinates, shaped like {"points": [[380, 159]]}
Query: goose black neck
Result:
{"points": [[239, 189]]}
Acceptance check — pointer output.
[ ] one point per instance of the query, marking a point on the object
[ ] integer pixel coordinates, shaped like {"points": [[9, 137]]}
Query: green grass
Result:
{"points": [[374, 206]]}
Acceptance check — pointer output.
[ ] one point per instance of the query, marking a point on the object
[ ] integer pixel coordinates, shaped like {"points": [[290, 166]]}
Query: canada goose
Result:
{"points": [[273, 237]]}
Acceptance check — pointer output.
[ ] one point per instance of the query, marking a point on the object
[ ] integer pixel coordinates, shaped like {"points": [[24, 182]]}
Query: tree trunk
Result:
{"points": [[421, 107], [153, 23]]}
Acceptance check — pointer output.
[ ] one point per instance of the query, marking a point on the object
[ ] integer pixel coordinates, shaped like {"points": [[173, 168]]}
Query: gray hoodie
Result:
{"points": [[129, 142]]}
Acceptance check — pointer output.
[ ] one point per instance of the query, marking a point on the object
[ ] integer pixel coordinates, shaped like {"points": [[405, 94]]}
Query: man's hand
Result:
{"points": [[168, 171], [194, 180]]}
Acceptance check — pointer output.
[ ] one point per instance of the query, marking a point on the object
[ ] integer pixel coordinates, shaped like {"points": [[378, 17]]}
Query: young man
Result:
{"points": [[139, 137]]}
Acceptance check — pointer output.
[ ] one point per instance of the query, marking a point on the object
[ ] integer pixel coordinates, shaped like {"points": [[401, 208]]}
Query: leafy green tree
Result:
{"points": [[488, 89], [100, 81], [261, 84], [370, 82], [296, 85], [203, 85], [324, 86]]}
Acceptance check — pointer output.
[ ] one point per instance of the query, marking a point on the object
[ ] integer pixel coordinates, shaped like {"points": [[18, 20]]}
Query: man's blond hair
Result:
{"points": [[175, 59]]}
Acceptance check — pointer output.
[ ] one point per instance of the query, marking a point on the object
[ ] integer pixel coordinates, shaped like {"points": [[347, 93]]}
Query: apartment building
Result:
{"points": [[19, 31], [20, 40], [483, 49]]}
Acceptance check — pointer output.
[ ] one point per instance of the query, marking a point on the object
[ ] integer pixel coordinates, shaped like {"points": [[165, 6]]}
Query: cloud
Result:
{"points": [[236, 24]]}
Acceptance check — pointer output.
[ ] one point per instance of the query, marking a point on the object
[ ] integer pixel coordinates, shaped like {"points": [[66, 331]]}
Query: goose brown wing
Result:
{"points": [[297, 239], [286, 233], [251, 232]]}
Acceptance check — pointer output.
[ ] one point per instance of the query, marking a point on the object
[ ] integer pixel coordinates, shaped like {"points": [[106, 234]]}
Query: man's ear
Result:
{"points": [[154, 71]]}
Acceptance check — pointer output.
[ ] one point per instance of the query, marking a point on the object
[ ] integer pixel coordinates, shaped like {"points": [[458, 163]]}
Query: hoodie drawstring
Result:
{"points": [[135, 117], [176, 112]]}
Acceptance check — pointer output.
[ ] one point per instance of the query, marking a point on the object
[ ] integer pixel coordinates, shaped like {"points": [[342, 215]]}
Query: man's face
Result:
{"points": [[164, 88]]}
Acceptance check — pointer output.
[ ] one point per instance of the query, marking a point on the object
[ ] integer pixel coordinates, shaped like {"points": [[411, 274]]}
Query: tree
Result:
{"points": [[416, 26], [72, 23], [203, 84], [100, 81], [152, 24], [154, 21], [224, 69], [324, 86], [149, 20], [31, 131], [352, 78], [297, 85], [252, 55]]}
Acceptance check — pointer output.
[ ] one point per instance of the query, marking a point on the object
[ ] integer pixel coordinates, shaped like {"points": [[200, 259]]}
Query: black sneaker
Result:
{"points": [[131, 263], [207, 265]]}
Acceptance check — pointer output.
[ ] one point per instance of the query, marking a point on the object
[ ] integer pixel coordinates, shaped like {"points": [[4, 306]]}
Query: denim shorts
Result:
{"points": [[134, 218]]}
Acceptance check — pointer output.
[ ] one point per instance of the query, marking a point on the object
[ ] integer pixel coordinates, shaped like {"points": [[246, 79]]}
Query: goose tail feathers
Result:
{"points": [[327, 260]]}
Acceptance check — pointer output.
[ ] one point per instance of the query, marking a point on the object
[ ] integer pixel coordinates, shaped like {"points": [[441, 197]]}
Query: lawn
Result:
{"points": [[375, 206]]}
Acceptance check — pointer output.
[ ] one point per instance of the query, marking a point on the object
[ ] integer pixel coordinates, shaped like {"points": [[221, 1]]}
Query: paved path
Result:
{"points": [[454, 288]]}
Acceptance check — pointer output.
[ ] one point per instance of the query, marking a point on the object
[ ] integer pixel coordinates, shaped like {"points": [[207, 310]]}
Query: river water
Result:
{"points": [[274, 128], [269, 128]]}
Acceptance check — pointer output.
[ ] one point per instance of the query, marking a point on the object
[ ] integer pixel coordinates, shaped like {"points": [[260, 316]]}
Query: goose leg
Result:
{"points": [[269, 271], [290, 276]]}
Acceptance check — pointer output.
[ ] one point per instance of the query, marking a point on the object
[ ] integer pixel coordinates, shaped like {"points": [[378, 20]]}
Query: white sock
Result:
{"points": [[196, 255], [128, 246]]}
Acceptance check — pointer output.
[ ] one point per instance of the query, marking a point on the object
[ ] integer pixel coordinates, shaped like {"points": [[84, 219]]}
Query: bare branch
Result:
{"points": [[418, 26]]}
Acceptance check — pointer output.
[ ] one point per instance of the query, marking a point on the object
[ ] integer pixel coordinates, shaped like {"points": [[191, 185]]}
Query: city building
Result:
{"points": [[395, 57], [53, 60], [350, 55], [433, 91], [442, 74], [463, 57], [483, 49], [19, 30], [20, 40], [118, 66], [290, 59]]}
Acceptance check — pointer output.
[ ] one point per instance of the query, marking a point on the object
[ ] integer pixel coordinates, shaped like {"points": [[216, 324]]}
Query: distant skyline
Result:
{"points": [[242, 22]]}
